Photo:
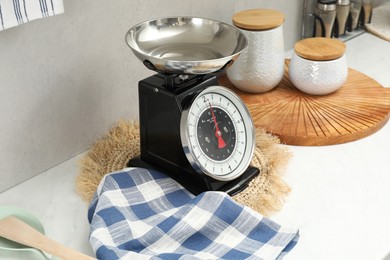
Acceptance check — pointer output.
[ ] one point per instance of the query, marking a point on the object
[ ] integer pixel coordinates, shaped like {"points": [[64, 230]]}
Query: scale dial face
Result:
{"points": [[217, 134]]}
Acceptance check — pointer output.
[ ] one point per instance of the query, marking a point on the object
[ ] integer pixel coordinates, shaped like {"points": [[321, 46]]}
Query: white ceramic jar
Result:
{"points": [[260, 67], [318, 65]]}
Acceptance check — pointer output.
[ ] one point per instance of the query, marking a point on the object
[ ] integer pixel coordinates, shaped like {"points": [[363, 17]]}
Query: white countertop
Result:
{"points": [[340, 198]]}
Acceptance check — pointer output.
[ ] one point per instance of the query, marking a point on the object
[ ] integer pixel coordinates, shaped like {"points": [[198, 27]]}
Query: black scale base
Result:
{"points": [[197, 185], [161, 102]]}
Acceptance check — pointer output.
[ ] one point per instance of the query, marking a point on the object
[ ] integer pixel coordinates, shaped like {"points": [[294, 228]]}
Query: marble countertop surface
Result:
{"points": [[340, 197]]}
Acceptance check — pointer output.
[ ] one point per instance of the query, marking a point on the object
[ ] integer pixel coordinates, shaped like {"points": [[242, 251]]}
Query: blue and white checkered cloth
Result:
{"points": [[142, 214]]}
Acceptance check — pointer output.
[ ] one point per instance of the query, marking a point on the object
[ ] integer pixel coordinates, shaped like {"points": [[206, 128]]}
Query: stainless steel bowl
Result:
{"points": [[186, 45]]}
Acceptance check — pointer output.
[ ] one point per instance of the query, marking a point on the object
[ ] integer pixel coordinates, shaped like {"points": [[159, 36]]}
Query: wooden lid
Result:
{"points": [[258, 19], [320, 49]]}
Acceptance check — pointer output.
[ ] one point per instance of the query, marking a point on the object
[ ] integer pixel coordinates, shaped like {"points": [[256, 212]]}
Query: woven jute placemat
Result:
{"points": [[265, 193]]}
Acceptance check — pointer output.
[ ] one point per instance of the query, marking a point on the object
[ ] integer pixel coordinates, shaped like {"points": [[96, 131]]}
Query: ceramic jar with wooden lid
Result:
{"points": [[260, 67], [318, 65]]}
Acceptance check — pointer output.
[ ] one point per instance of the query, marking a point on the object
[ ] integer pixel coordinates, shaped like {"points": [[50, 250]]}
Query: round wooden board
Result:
{"points": [[360, 108]]}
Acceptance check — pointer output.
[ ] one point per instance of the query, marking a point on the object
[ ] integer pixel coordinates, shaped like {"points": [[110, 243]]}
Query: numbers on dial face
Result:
{"points": [[217, 133]]}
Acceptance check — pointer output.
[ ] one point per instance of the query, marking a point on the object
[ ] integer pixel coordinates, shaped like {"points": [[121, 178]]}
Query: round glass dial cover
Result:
{"points": [[217, 134]]}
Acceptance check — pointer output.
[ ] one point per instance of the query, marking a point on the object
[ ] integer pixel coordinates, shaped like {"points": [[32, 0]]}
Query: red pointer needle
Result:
{"points": [[218, 134]]}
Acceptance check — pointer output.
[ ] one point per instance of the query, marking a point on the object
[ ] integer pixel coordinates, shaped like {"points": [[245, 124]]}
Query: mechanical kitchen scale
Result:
{"points": [[195, 131]]}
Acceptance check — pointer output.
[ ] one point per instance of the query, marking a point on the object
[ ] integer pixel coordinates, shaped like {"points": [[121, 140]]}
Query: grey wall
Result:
{"points": [[65, 80]]}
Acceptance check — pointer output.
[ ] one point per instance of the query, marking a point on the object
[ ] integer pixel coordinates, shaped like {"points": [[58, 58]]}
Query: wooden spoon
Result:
{"points": [[16, 230]]}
